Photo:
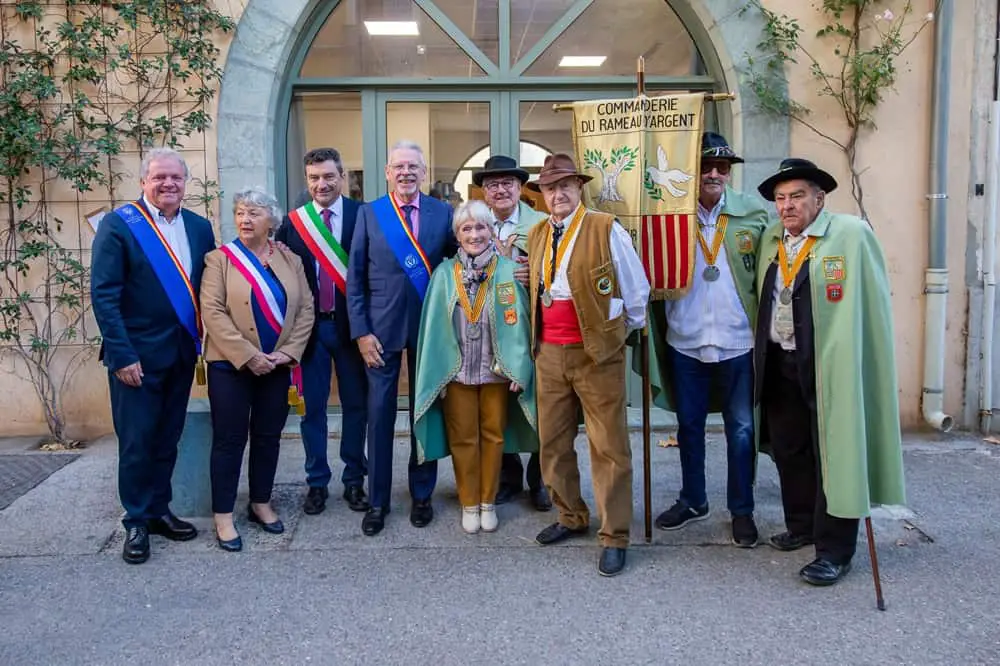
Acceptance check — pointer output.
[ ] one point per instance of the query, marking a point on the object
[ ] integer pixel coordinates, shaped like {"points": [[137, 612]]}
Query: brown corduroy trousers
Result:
{"points": [[568, 380], [475, 418]]}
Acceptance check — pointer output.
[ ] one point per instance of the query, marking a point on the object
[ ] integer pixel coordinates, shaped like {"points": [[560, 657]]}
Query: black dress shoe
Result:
{"points": [[787, 541], [315, 500], [422, 513], [136, 548], [557, 532], [612, 561], [506, 493], [172, 527], [355, 498], [374, 521], [540, 499], [824, 572], [277, 527], [233, 545]]}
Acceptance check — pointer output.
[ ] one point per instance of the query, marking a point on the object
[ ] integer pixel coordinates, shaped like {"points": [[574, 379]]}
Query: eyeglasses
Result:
{"points": [[722, 167], [406, 167], [494, 185]]}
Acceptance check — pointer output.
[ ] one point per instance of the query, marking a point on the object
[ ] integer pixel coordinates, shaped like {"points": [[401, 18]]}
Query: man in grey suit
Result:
{"points": [[398, 241]]}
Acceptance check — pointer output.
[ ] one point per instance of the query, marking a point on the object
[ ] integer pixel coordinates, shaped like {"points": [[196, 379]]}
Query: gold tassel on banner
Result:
{"points": [[296, 401], [200, 376]]}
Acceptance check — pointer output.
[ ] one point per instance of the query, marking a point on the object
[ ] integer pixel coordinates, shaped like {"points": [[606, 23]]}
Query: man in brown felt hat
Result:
{"points": [[588, 291]]}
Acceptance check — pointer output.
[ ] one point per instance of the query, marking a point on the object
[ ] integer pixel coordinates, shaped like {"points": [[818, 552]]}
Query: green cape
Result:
{"points": [[747, 221], [439, 358], [857, 399]]}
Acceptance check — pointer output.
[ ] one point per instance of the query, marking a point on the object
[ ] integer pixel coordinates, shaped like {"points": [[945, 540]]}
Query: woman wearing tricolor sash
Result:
{"points": [[475, 387], [258, 314]]}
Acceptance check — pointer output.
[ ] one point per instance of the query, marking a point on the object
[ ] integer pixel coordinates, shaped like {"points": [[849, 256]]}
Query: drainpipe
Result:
{"points": [[936, 275], [989, 252]]}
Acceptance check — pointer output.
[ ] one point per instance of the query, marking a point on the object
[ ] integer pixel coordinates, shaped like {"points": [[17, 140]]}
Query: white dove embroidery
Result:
{"points": [[663, 175]]}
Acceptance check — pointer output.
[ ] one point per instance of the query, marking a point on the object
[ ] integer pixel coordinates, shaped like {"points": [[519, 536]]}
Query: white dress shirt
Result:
{"points": [[174, 232], [631, 275], [709, 323], [503, 229]]}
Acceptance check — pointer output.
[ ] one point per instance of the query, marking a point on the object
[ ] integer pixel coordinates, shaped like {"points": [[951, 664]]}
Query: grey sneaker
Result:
{"points": [[745, 533], [679, 515]]}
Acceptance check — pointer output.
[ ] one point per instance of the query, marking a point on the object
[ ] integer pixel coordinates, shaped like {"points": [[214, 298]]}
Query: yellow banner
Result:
{"points": [[645, 156]]}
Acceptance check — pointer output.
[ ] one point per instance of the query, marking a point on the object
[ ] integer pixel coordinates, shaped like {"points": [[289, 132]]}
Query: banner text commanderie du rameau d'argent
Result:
{"points": [[643, 113]]}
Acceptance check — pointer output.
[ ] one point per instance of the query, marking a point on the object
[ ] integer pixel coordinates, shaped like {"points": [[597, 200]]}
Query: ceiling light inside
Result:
{"points": [[392, 28], [582, 61]]}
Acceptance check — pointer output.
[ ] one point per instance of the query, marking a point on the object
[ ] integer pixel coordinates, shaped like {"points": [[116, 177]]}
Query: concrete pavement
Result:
{"points": [[323, 593]]}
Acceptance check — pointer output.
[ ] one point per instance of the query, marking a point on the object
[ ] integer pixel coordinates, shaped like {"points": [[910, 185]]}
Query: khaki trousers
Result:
{"points": [[568, 380], [475, 417]]}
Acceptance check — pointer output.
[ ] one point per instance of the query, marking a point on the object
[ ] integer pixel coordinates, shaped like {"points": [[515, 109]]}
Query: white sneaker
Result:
{"points": [[470, 519], [488, 517]]}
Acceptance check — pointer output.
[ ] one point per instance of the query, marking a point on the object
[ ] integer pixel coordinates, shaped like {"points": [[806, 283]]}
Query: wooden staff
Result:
{"points": [[647, 463], [879, 600]]}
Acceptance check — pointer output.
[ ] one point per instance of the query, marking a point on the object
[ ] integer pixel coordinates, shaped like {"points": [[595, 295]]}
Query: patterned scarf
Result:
{"points": [[474, 268]]}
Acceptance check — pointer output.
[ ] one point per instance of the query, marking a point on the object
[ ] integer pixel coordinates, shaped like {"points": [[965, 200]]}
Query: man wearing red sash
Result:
{"points": [[320, 233], [398, 240], [146, 270], [588, 291]]}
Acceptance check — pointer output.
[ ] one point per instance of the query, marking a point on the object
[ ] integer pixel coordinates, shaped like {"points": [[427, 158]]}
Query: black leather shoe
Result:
{"points": [[277, 527], [506, 493], [612, 561], [540, 499], [787, 541], [824, 572], [422, 513], [557, 532], [355, 498], [172, 527], [232, 546], [136, 548], [315, 500], [374, 521]]}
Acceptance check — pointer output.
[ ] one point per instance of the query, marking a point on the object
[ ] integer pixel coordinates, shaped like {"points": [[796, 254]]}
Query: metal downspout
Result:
{"points": [[936, 275], [989, 251]]}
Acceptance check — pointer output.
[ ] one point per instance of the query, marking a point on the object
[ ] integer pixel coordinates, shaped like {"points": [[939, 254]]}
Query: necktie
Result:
{"points": [[408, 214], [557, 231], [326, 288]]}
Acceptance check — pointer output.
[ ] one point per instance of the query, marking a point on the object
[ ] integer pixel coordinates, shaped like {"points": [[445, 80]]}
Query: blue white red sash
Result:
{"points": [[168, 269], [267, 293], [401, 241]]}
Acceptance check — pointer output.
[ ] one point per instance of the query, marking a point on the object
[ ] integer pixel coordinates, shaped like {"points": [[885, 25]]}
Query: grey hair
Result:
{"points": [[472, 210], [162, 154], [259, 198], [406, 144]]}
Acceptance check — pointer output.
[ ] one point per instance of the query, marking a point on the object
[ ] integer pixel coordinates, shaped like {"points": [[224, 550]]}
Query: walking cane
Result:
{"points": [[879, 600]]}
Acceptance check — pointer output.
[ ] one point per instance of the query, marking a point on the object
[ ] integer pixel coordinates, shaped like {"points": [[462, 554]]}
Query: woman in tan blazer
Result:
{"points": [[258, 315]]}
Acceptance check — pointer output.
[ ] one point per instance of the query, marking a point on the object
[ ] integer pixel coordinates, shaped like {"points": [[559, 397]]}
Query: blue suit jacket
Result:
{"points": [[289, 235], [381, 299], [136, 319]]}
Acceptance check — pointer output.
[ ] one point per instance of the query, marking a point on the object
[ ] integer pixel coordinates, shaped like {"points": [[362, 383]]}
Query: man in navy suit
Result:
{"points": [[324, 258], [398, 240], [146, 269]]}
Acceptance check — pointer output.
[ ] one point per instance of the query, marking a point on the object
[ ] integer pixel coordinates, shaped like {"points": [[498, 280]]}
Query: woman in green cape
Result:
{"points": [[475, 385]]}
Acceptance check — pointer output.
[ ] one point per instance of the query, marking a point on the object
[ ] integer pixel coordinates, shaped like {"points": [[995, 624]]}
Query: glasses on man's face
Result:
{"points": [[496, 185], [722, 167], [406, 167]]}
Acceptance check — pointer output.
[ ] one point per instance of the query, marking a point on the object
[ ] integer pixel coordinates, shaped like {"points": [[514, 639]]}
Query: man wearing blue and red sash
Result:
{"points": [[320, 233], [146, 269], [398, 240]]}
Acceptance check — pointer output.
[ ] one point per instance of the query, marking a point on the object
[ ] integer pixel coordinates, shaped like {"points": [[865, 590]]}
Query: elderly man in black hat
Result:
{"points": [[501, 181], [826, 371], [703, 346]]}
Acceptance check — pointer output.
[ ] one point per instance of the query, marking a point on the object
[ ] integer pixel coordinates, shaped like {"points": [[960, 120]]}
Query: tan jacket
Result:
{"points": [[592, 280], [230, 329]]}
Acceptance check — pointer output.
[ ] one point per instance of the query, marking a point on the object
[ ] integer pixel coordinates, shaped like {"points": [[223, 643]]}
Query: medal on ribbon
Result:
{"points": [[712, 272], [789, 269], [560, 252], [473, 310]]}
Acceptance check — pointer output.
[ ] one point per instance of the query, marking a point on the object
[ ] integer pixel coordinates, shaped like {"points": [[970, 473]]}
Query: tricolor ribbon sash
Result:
{"points": [[166, 266], [329, 254], [401, 241]]}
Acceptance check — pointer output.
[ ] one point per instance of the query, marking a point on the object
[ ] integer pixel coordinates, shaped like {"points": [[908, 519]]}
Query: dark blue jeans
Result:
{"points": [[352, 386], [693, 383]]}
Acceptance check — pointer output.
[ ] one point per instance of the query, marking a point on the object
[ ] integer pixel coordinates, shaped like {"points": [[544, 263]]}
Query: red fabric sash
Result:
{"points": [[560, 325]]}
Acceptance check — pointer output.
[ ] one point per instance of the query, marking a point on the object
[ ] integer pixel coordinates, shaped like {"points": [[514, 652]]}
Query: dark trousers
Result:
{"points": [[148, 421], [383, 388], [790, 410], [329, 345], [512, 472], [245, 404]]}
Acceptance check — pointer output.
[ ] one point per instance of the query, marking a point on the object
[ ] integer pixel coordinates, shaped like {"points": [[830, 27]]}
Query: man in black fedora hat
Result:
{"points": [[826, 372], [501, 180], [702, 357]]}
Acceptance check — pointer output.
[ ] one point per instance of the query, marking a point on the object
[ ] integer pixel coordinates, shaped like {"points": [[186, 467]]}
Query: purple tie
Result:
{"points": [[326, 288], [408, 214]]}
